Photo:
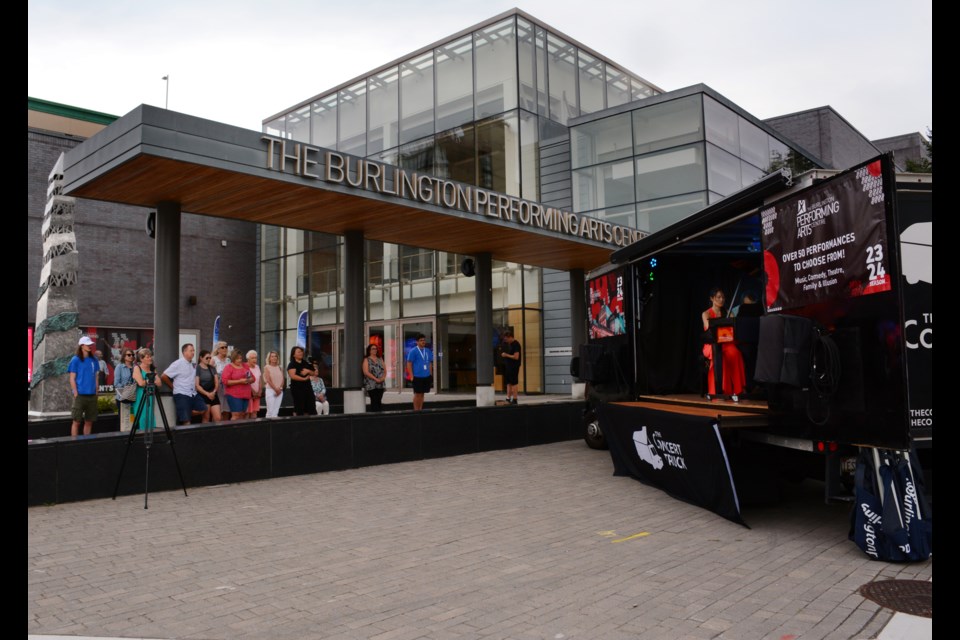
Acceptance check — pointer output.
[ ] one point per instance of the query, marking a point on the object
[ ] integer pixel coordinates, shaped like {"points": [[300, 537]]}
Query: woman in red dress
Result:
{"points": [[734, 377]]}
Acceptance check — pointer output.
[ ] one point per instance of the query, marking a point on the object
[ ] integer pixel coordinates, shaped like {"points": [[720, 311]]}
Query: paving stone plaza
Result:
{"points": [[538, 542]]}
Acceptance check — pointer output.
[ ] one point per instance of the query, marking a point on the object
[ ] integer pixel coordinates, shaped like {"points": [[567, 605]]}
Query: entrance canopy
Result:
{"points": [[153, 155]]}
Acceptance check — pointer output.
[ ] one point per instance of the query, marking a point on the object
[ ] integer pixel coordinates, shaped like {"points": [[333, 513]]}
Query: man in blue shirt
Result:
{"points": [[84, 369], [420, 370]]}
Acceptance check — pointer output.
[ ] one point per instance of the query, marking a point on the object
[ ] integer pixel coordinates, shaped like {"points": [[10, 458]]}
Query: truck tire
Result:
{"points": [[593, 436]]}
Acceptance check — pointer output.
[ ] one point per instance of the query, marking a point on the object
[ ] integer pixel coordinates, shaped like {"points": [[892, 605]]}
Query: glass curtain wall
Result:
{"points": [[299, 271], [655, 165], [472, 109]]}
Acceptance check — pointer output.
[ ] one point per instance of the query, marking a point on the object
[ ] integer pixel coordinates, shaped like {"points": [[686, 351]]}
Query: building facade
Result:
{"points": [[510, 105]]}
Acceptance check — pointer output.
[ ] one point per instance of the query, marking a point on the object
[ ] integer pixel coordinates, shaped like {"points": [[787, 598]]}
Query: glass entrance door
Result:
{"points": [[385, 337], [395, 340], [323, 348], [410, 330]]}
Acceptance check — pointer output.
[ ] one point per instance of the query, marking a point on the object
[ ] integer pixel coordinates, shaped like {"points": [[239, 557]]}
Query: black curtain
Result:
{"points": [[670, 331]]}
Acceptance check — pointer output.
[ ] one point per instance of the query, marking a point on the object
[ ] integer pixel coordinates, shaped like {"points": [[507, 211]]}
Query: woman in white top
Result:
{"points": [[256, 387], [274, 382]]}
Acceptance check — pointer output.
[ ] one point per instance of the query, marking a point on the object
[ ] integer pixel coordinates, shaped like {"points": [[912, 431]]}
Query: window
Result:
{"points": [[323, 122], [602, 186], [669, 173], [384, 100], [593, 90], [655, 215], [454, 64], [562, 71], [601, 141], [722, 126], [496, 51], [667, 124], [498, 154], [298, 125], [618, 87], [723, 171], [353, 119], [416, 98]]}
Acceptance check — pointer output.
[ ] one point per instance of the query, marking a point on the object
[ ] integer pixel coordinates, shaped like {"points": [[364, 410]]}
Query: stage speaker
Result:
{"points": [[784, 350], [593, 363], [468, 267], [769, 349], [797, 344]]}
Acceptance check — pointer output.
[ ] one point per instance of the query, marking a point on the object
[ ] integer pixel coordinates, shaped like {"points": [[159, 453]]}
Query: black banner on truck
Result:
{"points": [[828, 241], [680, 454]]}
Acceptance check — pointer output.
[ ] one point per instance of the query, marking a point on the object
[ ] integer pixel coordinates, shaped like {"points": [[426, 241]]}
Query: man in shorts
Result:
{"points": [[420, 370], [181, 377], [510, 352], [84, 368]]}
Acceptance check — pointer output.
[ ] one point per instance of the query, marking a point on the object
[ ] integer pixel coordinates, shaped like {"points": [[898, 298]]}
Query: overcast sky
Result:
{"points": [[242, 61]]}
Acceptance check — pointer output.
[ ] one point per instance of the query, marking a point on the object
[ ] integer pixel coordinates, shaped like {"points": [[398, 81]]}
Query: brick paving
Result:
{"points": [[535, 543]]}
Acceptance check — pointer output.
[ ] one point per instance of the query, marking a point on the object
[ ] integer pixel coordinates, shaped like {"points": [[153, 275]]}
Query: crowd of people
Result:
{"points": [[219, 386], [222, 386]]}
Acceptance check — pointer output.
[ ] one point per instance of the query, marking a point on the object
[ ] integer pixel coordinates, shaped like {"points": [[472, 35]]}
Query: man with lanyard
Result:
{"points": [[420, 370], [181, 377], [84, 369]]}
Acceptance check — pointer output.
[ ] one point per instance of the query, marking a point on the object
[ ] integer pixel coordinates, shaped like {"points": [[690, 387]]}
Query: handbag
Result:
{"points": [[128, 393]]}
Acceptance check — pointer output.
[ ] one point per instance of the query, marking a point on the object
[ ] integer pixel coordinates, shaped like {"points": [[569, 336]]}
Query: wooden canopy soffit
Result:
{"points": [[153, 155]]}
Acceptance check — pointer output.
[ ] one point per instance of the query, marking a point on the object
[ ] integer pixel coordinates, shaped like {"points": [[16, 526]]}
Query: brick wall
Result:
{"points": [[116, 260]]}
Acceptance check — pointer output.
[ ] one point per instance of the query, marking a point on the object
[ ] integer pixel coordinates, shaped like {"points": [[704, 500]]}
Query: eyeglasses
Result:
{"points": [[128, 355]]}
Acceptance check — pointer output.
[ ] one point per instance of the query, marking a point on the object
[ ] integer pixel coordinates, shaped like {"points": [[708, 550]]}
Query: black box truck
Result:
{"points": [[828, 286]]}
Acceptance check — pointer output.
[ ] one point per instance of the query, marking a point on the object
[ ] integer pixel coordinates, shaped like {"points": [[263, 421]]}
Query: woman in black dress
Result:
{"points": [[299, 371]]}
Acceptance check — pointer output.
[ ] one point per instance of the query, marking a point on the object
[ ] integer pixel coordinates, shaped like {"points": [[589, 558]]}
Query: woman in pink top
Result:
{"points": [[237, 380], [256, 387]]}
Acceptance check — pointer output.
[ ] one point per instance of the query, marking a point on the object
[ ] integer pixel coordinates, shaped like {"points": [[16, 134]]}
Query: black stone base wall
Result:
{"points": [[68, 469]]}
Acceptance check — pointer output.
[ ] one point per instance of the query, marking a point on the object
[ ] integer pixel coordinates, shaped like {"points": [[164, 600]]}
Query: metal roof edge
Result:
{"points": [[710, 216], [66, 111]]}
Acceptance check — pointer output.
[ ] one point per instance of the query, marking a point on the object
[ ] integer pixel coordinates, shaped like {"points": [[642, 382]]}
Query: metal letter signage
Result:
{"points": [[297, 158]]}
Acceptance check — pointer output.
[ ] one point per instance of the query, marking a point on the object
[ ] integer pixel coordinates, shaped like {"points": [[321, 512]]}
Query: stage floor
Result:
{"points": [[746, 413]]}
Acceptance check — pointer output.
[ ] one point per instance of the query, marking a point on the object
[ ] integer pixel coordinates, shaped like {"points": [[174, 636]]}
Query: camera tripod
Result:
{"points": [[150, 397]]}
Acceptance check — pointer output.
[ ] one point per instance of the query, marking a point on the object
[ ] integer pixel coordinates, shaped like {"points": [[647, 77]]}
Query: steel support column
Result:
{"points": [[166, 286], [484, 315], [353, 398]]}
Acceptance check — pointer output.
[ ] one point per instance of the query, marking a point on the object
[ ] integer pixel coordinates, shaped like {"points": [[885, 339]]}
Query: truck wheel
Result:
{"points": [[593, 436]]}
